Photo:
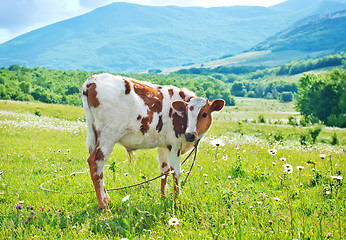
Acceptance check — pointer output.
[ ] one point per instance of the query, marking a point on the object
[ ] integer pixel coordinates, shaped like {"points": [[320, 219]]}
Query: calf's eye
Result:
{"points": [[204, 115]]}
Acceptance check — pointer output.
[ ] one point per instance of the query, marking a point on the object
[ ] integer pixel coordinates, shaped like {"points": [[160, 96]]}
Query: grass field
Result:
{"points": [[250, 181]]}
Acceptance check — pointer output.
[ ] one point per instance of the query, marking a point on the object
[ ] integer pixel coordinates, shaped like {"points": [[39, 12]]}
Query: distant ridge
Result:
{"points": [[123, 37], [315, 33]]}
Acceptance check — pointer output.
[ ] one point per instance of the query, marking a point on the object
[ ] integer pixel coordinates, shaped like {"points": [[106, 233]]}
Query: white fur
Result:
{"points": [[197, 104]]}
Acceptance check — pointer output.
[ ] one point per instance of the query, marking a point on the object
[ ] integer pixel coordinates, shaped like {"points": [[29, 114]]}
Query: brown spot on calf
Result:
{"points": [[182, 94], [92, 95], [145, 124], [127, 87], [171, 93], [179, 123], [159, 124], [152, 98], [164, 164]]}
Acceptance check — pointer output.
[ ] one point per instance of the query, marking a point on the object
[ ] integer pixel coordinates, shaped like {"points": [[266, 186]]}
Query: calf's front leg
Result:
{"points": [[174, 162]]}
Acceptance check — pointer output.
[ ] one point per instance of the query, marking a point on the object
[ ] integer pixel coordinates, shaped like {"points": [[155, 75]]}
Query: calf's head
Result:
{"points": [[199, 115]]}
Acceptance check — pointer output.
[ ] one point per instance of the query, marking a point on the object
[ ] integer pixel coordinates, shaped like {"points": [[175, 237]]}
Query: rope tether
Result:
{"points": [[194, 150]]}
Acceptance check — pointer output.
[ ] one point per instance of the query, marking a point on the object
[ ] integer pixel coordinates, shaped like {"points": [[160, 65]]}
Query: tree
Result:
{"points": [[25, 87], [286, 97], [323, 98], [238, 89]]}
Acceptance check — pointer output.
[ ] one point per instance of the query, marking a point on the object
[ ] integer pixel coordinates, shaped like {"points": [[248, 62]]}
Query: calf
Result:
{"points": [[141, 115]]}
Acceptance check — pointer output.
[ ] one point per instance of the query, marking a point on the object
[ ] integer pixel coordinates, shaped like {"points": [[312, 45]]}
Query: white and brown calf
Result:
{"points": [[141, 115]]}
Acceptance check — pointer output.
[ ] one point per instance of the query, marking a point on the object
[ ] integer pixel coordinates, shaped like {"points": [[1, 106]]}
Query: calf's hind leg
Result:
{"points": [[96, 161]]}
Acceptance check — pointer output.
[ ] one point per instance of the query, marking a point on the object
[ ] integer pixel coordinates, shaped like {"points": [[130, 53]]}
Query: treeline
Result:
{"points": [[63, 87], [281, 90], [49, 86], [260, 82], [253, 72]]}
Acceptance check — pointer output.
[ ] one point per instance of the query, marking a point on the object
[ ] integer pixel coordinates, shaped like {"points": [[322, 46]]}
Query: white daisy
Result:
{"points": [[126, 198], [273, 151], [173, 221]]}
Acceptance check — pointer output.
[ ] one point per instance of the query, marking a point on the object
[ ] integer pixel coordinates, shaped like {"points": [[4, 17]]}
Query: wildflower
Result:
{"points": [[274, 163], [74, 227], [126, 174], [126, 198], [327, 192], [288, 168], [337, 177], [300, 168], [205, 182], [259, 202], [108, 228], [273, 151], [204, 175], [270, 222], [26, 222], [27, 207], [322, 156], [282, 159], [329, 235], [19, 206], [276, 198], [42, 208], [173, 221], [124, 239], [32, 212], [217, 142]]}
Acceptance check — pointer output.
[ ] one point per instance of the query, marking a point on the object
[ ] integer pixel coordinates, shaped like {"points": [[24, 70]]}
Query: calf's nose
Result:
{"points": [[190, 137]]}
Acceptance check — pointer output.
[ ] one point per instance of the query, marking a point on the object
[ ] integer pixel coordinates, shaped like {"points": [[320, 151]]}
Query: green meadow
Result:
{"points": [[252, 179]]}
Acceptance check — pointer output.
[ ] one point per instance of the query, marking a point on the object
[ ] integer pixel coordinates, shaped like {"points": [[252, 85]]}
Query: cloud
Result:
{"points": [[15, 16]]}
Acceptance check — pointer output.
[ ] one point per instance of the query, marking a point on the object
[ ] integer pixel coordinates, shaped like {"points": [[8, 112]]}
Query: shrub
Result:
{"points": [[335, 140], [303, 122], [314, 132], [261, 118], [292, 121]]}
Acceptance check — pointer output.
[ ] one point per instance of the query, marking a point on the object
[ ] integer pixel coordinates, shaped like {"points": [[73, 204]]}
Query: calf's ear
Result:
{"points": [[179, 105], [217, 105]]}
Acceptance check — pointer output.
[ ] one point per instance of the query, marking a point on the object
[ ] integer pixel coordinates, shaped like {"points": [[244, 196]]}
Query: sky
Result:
{"points": [[20, 16]]}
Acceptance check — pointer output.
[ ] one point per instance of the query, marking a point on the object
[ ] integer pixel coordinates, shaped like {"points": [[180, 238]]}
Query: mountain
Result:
{"points": [[312, 34], [310, 37], [123, 37]]}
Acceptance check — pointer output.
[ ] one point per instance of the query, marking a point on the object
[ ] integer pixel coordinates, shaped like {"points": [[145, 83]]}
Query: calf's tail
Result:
{"points": [[90, 120]]}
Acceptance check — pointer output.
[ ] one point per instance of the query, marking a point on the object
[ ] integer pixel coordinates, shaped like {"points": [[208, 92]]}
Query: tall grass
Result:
{"points": [[237, 190]]}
